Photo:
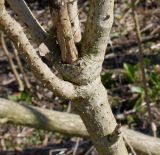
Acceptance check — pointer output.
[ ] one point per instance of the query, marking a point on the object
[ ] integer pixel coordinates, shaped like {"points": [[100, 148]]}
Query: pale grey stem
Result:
{"points": [[41, 70], [98, 26], [74, 19], [71, 124], [22, 10]]}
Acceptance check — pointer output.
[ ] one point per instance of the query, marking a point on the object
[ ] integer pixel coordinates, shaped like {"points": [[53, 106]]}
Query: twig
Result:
{"points": [[125, 114], [3, 144], [127, 12], [146, 98], [89, 151], [74, 19], [76, 146], [37, 31], [130, 146], [28, 85], [57, 150], [126, 45], [69, 107], [17, 77]]}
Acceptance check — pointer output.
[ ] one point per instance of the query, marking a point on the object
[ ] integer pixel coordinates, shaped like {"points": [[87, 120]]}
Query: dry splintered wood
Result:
{"points": [[63, 28], [71, 124]]}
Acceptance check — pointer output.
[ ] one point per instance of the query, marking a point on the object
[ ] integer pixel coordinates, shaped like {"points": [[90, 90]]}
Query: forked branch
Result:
{"points": [[41, 70]]}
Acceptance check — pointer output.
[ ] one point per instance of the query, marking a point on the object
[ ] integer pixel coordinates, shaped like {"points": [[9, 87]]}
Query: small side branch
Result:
{"points": [[74, 19], [20, 66], [13, 67], [40, 69]]}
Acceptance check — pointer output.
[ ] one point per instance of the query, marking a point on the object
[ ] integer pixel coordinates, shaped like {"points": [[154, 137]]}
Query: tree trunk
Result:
{"points": [[97, 116], [82, 83]]}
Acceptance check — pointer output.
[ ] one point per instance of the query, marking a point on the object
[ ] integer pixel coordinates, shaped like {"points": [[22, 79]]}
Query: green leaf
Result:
{"points": [[147, 61], [25, 96], [130, 119], [13, 97], [137, 89], [130, 71], [138, 103]]}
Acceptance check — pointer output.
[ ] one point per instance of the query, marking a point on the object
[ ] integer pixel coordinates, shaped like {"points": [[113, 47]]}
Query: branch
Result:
{"points": [[71, 124], [20, 66], [74, 19], [10, 60], [98, 27], [63, 29], [37, 31], [41, 70]]}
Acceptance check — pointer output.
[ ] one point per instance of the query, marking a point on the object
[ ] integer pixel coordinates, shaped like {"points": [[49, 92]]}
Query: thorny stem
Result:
{"points": [[141, 59]]}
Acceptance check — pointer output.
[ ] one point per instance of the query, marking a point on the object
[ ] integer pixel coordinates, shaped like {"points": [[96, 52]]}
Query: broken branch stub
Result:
{"points": [[63, 31]]}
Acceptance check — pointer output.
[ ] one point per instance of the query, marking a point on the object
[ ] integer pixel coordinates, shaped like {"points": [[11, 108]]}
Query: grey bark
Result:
{"points": [[82, 82], [73, 15], [100, 122], [70, 124], [25, 14], [40, 69]]}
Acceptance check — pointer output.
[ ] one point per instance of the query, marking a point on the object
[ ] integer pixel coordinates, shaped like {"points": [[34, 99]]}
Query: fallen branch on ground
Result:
{"points": [[70, 124]]}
